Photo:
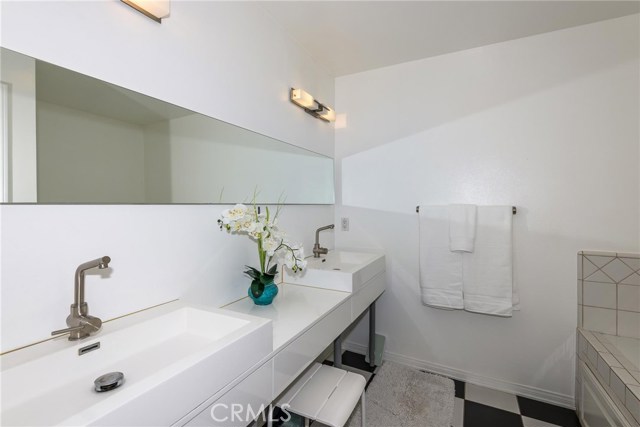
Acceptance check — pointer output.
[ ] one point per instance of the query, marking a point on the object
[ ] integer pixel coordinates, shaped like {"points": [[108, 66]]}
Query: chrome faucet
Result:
{"points": [[80, 324], [317, 249]]}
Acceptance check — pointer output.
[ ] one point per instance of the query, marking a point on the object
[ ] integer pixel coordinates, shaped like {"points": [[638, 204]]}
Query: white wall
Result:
{"points": [[548, 123], [86, 158], [227, 60], [159, 253]]}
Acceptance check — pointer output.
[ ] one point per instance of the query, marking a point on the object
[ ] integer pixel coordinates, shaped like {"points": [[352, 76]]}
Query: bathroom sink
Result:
{"points": [[339, 270], [173, 357]]}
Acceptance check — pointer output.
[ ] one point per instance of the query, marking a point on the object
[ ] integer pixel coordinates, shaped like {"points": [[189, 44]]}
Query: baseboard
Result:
{"points": [[496, 384]]}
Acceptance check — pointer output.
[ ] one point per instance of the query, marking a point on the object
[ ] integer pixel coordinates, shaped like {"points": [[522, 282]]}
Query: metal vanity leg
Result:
{"points": [[362, 406], [337, 352], [270, 416], [372, 334]]}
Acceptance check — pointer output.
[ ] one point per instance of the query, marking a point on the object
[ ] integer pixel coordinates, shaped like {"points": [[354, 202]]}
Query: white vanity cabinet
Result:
{"points": [[369, 292], [185, 365], [295, 357], [240, 405], [306, 319]]}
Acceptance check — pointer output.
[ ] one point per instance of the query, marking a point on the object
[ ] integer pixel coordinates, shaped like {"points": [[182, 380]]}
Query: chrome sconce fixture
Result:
{"points": [[312, 106], [154, 9]]}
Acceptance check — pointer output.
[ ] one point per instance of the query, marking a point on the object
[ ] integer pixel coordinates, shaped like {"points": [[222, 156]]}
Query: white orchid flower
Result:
{"points": [[289, 259], [235, 213], [256, 230], [263, 228], [244, 224], [270, 245]]}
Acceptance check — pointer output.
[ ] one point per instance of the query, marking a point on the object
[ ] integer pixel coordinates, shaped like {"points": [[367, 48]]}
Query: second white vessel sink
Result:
{"points": [[339, 270], [171, 356]]}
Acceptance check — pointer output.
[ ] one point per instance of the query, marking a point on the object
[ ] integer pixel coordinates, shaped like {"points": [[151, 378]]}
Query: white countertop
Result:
{"points": [[294, 310]]}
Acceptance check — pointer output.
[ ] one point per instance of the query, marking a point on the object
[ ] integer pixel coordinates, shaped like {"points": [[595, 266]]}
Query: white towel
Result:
{"points": [[488, 271], [440, 269], [462, 227]]}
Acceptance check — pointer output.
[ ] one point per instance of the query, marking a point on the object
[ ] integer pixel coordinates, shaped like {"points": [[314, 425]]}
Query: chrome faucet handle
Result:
{"points": [[80, 327], [80, 324], [317, 249], [64, 331]]}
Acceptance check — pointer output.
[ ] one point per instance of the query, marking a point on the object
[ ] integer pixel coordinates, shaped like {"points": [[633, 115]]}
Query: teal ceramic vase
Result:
{"points": [[269, 293]]}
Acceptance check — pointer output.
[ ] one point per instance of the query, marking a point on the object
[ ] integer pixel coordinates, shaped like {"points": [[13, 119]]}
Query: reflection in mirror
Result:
{"points": [[70, 138]]}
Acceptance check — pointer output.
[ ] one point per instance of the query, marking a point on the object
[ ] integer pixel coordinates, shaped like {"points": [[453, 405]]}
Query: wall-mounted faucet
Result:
{"points": [[317, 249], [80, 324]]}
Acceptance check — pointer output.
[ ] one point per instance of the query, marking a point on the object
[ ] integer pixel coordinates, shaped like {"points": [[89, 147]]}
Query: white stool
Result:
{"points": [[325, 394]]}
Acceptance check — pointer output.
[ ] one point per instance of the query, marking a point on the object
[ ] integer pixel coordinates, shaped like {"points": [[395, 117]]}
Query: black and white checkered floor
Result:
{"points": [[477, 406]]}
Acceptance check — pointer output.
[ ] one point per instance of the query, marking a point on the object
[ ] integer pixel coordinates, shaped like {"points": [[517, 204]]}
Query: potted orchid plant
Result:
{"points": [[272, 247]]}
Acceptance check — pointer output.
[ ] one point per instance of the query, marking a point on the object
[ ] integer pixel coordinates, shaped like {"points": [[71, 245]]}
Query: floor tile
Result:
{"points": [[532, 422], [356, 360], [549, 413], [490, 397], [292, 420], [483, 406], [478, 415], [459, 388], [458, 413]]}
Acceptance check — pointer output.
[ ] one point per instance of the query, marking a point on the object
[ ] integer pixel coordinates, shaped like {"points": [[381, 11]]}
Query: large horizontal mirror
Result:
{"points": [[70, 138]]}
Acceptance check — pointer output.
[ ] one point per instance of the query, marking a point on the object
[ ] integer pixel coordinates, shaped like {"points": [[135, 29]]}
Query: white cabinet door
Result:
{"points": [[294, 358], [240, 405]]}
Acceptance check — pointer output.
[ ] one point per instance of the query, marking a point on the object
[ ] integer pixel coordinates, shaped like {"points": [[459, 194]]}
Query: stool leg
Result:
{"points": [[306, 422], [364, 422]]}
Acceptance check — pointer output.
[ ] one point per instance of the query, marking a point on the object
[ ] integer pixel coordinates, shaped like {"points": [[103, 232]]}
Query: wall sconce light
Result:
{"points": [[312, 106], [154, 9]]}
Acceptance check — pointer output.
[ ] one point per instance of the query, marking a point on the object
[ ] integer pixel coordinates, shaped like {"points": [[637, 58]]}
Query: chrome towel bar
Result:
{"points": [[514, 210]]}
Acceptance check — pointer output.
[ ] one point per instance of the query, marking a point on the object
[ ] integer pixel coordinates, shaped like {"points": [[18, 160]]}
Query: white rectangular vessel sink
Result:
{"points": [[339, 270], [173, 358]]}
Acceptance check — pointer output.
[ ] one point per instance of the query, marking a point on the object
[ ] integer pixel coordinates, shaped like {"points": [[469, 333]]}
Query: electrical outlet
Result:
{"points": [[344, 224]]}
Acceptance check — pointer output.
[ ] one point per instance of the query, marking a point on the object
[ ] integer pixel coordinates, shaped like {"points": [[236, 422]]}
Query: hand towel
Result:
{"points": [[488, 271], [462, 227], [440, 269]]}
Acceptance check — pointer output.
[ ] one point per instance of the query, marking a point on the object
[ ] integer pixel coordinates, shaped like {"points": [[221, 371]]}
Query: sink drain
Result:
{"points": [[109, 381]]}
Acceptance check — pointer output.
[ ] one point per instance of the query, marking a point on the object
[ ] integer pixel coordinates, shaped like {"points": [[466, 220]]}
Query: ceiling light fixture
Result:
{"points": [[154, 9], [312, 106]]}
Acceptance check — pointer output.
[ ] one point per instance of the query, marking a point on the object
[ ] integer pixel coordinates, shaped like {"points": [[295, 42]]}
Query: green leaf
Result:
{"points": [[273, 270], [252, 273], [267, 278], [257, 288]]}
